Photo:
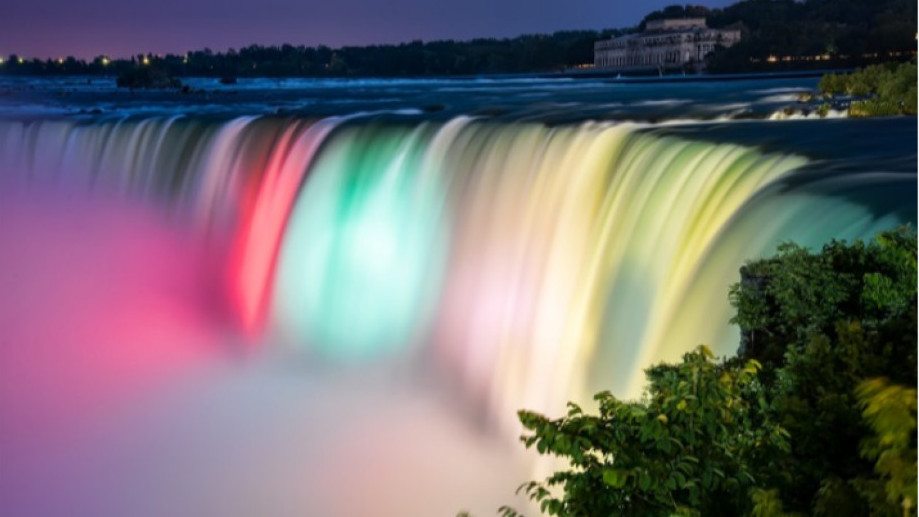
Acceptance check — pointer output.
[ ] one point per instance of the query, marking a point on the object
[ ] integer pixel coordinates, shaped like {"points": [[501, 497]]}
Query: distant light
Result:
{"points": [[60, 61], [105, 61], [772, 59], [21, 61], [1, 60], [146, 60]]}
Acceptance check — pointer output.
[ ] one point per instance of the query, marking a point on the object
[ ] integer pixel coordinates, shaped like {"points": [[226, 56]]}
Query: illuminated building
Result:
{"points": [[665, 44]]}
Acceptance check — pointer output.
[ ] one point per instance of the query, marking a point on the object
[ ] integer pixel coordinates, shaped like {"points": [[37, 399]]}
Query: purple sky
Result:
{"points": [[85, 28]]}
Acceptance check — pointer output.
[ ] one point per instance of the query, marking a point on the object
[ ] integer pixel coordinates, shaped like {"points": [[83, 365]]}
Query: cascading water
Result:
{"points": [[523, 263], [534, 264]]}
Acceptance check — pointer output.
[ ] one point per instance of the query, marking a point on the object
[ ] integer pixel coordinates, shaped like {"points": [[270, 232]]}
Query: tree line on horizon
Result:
{"points": [[849, 32]]}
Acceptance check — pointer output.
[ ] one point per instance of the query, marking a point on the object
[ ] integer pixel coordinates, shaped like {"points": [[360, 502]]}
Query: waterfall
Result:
{"points": [[527, 264]]}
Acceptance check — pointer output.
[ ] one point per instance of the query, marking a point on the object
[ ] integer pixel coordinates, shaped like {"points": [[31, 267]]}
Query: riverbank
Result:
{"points": [[651, 75]]}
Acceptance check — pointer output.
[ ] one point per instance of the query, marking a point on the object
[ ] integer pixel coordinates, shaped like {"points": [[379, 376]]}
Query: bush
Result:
{"points": [[691, 447], [885, 90]]}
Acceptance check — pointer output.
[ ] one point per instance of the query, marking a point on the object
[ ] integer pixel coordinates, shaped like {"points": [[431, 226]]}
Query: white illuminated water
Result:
{"points": [[207, 309]]}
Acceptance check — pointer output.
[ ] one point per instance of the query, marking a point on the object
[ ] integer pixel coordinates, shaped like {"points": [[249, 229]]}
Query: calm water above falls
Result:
{"points": [[295, 289], [511, 98]]}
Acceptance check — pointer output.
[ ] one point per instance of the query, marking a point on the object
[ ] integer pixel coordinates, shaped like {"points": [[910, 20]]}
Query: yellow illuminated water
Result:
{"points": [[523, 263]]}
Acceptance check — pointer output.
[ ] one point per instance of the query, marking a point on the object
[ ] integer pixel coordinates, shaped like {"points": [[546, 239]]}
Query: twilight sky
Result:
{"points": [[85, 28]]}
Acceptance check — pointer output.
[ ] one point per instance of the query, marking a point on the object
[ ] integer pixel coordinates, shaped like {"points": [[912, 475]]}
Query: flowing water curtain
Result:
{"points": [[809, 209], [668, 202], [263, 218], [149, 159], [512, 317], [571, 247], [233, 178], [360, 264], [546, 262], [32, 150], [566, 248]]}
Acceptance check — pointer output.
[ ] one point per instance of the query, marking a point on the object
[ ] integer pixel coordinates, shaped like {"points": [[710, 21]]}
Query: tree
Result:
{"points": [[798, 293], [890, 412], [822, 323], [692, 446]]}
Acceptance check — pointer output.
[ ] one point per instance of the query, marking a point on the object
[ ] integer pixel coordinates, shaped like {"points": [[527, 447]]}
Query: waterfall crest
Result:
{"points": [[528, 264]]}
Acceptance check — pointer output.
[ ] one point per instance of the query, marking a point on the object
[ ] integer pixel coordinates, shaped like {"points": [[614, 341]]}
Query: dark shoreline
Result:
{"points": [[612, 74], [635, 76]]}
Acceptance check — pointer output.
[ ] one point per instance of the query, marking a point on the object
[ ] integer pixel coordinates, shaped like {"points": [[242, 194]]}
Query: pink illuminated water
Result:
{"points": [[286, 317], [125, 390]]}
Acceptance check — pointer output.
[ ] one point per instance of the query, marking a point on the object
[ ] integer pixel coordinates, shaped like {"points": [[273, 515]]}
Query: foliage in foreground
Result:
{"points": [[821, 323], [817, 416], [880, 90], [690, 448]]}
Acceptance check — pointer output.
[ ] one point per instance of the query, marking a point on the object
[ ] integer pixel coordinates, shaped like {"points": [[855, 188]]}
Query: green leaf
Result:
{"points": [[644, 482], [615, 477]]}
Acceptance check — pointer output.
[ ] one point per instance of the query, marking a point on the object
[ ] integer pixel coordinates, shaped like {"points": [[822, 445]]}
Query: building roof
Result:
{"points": [[665, 24]]}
